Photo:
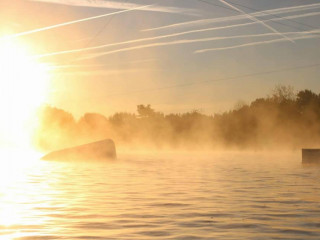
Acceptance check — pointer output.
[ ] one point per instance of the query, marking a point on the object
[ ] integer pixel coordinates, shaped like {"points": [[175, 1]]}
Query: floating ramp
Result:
{"points": [[311, 156], [100, 150]]}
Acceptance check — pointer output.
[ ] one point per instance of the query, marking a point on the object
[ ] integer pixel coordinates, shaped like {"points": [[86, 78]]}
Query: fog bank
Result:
{"points": [[284, 120]]}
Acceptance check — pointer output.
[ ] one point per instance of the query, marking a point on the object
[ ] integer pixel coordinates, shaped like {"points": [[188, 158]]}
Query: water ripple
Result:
{"points": [[230, 196]]}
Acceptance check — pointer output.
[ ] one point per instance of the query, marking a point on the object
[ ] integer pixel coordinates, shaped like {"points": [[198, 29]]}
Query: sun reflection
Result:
{"points": [[18, 187], [24, 86]]}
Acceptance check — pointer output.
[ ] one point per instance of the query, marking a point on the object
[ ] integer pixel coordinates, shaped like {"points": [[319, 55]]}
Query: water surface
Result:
{"points": [[162, 196]]}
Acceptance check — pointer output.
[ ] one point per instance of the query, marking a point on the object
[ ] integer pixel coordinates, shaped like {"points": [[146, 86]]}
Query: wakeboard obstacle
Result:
{"points": [[100, 150], [311, 156]]}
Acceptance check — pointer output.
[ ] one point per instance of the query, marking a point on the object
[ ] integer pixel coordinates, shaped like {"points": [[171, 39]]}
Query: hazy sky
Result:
{"points": [[177, 55]]}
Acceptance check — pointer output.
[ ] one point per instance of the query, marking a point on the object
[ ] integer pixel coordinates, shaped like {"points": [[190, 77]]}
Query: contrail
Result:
{"points": [[239, 25], [72, 22], [137, 40], [109, 72], [75, 66], [256, 19], [239, 17], [255, 44], [119, 5], [169, 35], [185, 41]]}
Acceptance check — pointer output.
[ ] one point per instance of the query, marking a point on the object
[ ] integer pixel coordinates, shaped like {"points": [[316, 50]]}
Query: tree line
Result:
{"points": [[282, 120]]}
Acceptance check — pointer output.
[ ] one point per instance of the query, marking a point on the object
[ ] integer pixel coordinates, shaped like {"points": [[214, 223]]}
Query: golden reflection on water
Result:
{"points": [[159, 197], [16, 192]]}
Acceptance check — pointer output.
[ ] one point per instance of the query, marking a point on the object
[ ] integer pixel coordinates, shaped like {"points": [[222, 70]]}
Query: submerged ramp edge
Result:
{"points": [[311, 156], [100, 150]]}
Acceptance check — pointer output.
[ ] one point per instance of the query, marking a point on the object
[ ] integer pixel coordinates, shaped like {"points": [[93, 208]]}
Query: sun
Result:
{"points": [[23, 88]]}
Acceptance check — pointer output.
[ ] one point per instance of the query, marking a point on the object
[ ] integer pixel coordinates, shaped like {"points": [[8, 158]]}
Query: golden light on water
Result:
{"points": [[24, 87], [16, 191]]}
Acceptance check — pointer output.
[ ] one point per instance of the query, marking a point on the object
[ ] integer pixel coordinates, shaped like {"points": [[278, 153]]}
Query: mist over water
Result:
{"points": [[284, 120], [163, 196]]}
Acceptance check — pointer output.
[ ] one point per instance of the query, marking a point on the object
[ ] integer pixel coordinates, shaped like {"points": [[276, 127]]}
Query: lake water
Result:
{"points": [[162, 196]]}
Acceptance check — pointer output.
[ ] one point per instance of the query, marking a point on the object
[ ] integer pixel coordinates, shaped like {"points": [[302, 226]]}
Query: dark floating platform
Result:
{"points": [[101, 150], [311, 156]]}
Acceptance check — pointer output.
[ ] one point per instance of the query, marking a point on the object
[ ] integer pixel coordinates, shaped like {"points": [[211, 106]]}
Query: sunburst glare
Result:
{"points": [[24, 87]]}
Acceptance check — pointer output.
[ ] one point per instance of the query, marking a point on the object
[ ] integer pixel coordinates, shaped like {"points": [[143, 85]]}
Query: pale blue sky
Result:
{"points": [[156, 71]]}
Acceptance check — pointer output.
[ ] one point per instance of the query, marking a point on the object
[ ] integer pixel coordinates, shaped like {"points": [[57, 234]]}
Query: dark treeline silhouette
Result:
{"points": [[283, 120]]}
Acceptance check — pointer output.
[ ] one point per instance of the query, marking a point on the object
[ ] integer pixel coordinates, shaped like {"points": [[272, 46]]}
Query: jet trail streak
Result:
{"points": [[186, 41], [171, 35], [256, 43], [239, 17], [72, 22], [256, 20]]}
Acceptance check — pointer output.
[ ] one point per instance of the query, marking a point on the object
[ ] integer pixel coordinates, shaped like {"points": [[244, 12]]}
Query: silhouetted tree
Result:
{"points": [[145, 111], [283, 93], [308, 99]]}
